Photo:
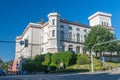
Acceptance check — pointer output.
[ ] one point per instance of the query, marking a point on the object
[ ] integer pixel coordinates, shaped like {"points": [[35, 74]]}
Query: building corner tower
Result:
{"points": [[53, 28]]}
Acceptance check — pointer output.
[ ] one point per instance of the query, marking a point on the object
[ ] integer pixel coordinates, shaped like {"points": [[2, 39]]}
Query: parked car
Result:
{"points": [[2, 72]]}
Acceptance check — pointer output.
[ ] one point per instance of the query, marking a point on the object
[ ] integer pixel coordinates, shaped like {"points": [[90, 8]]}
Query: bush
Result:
{"points": [[39, 58], [100, 68], [53, 67], [82, 59], [54, 58], [67, 58], [73, 70], [47, 59], [34, 67]]}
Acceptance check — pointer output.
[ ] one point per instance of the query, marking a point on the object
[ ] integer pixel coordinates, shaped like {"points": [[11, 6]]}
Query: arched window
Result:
{"points": [[102, 23], [78, 37], [78, 49], [107, 24], [85, 36], [70, 36], [62, 48], [62, 35], [70, 48]]}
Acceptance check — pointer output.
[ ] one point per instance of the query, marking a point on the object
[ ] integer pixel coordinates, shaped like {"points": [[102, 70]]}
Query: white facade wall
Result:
{"points": [[74, 31], [95, 21], [105, 19], [35, 41], [100, 18], [42, 41], [18, 47], [26, 52]]}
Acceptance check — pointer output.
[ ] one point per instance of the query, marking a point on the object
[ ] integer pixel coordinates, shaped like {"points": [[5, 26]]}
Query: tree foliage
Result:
{"points": [[99, 34], [47, 59], [67, 58], [4, 65], [39, 58]]}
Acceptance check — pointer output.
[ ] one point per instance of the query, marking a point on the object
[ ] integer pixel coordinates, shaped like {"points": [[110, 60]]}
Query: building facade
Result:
{"points": [[58, 35]]}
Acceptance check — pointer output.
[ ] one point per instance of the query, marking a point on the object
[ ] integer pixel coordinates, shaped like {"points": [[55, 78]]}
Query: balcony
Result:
{"points": [[70, 40]]}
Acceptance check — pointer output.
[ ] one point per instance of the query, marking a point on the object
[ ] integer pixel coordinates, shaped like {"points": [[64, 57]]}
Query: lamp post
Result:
{"points": [[92, 67]]}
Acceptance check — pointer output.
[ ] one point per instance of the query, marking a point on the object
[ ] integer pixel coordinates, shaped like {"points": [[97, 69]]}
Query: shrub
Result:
{"points": [[39, 58], [34, 67], [53, 67], [47, 59], [54, 58], [73, 70], [67, 58], [82, 59]]}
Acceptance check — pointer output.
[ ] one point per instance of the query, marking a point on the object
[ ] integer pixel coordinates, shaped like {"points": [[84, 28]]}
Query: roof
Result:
{"points": [[74, 23], [100, 13]]}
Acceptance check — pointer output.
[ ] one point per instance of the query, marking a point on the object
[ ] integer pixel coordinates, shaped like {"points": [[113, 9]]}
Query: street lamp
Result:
{"points": [[97, 45]]}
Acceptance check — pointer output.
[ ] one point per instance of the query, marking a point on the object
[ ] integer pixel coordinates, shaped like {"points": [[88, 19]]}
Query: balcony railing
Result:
{"points": [[70, 40]]}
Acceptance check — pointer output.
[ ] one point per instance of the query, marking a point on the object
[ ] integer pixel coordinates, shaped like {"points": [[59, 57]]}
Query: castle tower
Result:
{"points": [[100, 18], [54, 22]]}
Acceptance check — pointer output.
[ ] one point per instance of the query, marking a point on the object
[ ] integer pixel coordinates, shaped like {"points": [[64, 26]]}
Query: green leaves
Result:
{"points": [[98, 34], [67, 58], [82, 59], [47, 59]]}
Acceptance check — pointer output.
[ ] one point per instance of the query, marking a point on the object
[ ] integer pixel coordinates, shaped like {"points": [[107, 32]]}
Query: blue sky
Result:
{"points": [[15, 15]]}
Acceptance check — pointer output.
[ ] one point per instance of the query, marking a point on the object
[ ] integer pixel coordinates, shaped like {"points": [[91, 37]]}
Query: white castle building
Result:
{"points": [[57, 35]]}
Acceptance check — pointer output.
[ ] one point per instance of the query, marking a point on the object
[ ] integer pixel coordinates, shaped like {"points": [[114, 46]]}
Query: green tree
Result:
{"points": [[54, 59], [98, 34], [118, 48], [67, 58], [47, 59], [4, 65], [112, 47], [39, 58]]}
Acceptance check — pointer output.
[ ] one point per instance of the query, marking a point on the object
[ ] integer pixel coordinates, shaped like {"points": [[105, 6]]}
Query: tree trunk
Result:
{"points": [[96, 54], [100, 54]]}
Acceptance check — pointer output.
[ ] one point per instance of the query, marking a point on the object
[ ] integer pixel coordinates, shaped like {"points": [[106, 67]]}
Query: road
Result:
{"points": [[75, 76]]}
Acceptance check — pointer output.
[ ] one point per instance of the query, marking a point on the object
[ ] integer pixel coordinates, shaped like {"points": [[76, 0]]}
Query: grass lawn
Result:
{"points": [[97, 66]]}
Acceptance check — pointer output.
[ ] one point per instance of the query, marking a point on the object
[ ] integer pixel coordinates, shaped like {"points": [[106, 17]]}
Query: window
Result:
{"points": [[70, 48], [102, 23], [53, 21], [78, 37], [62, 26], [78, 49], [85, 30], [70, 28], [62, 48], [107, 24], [85, 36], [70, 36], [53, 33], [77, 29], [42, 50], [62, 35], [81, 38]]}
